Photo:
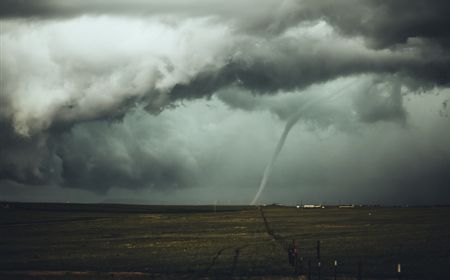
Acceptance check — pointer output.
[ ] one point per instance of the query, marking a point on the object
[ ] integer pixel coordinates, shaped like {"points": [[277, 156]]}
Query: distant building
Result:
{"points": [[347, 206], [276, 204], [313, 206]]}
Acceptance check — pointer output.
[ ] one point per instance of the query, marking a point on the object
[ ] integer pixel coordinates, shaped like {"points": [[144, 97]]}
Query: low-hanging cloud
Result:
{"points": [[87, 76]]}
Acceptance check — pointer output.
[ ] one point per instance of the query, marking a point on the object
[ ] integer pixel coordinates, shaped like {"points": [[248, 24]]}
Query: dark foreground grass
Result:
{"points": [[75, 241]]}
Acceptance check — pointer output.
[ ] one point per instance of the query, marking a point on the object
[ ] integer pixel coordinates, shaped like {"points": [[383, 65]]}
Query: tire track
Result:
{"points": [[280, 240], [213, 262], [275, 237], [237, 252], [51, 222], [284, 244]]}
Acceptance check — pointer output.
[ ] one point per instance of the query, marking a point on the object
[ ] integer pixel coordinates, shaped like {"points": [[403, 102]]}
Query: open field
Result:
{"points": [[76, 241]]}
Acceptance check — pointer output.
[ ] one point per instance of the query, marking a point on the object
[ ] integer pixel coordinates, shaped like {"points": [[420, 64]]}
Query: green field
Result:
{"points": [[83, 241]]}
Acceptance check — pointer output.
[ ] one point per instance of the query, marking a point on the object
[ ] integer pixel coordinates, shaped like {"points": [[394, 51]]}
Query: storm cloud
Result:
{"points": [[96, 95]]}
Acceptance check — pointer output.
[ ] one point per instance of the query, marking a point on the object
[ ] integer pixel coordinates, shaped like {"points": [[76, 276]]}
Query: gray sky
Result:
{"points": [[185, 101]]}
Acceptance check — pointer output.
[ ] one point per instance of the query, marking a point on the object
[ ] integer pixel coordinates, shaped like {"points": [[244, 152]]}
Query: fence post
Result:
{"points": [[335, 269], [359, 270], [319, 264], [309, 269], [300, 270], [295, 257], [318, 249], [399, 271], [318, 259]]}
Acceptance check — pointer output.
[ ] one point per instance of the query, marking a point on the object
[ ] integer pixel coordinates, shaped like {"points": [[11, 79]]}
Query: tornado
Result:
{"points": [[290, 123], [293, 120]]}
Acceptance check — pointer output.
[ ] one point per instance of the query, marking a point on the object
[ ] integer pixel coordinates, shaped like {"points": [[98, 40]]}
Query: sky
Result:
{"points": [[185, 101]]}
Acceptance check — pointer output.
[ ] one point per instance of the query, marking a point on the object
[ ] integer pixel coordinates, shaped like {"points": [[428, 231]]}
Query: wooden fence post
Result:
{"points": [[359, 270], [309, 269], [335, 269], [318, 249], [399, 271], [319, 265]]}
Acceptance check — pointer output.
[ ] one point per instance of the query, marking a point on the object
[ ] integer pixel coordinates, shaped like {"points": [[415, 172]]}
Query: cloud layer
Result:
{"points": [[77, 77]]}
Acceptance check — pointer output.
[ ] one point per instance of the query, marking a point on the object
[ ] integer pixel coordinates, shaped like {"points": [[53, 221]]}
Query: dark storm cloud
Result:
{"points": [[244, 11], [308, 51], [70, 67], [385, 23], [26, 160], [372, 106], [99, 156]]}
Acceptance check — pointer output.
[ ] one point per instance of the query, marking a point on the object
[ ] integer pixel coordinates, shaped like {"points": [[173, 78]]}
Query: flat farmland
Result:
{"points": [[106, 241]]}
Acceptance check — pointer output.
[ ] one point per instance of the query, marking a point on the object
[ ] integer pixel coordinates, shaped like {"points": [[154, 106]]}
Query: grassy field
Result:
{"points": [[76, 241]]}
